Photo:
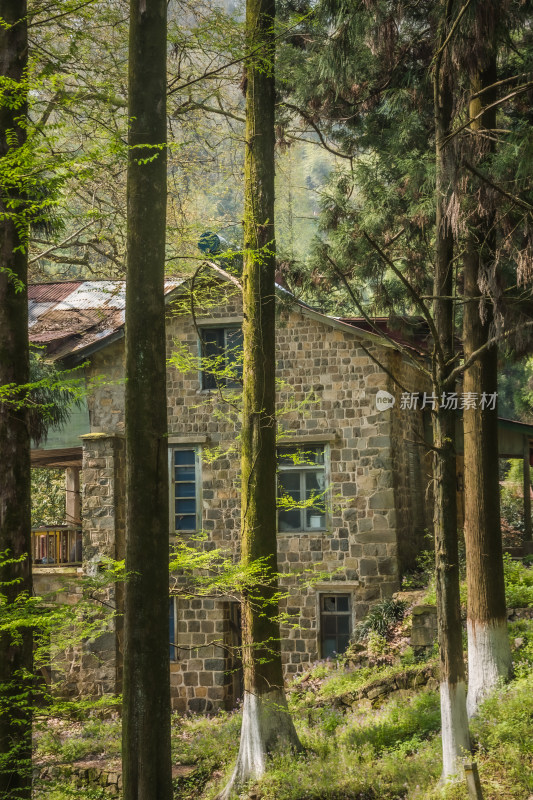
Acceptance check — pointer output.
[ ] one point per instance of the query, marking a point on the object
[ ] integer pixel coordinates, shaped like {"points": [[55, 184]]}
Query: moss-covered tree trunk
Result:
{"points": [[15, 578], [489, 654], [146, 709], [455, 735], [266, 721]]}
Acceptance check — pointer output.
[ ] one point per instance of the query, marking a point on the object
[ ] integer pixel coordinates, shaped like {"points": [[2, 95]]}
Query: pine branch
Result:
{"points": [[416, 297], [516, 200], [374, 327], [521, 89], [503, 82], [445, 43]]}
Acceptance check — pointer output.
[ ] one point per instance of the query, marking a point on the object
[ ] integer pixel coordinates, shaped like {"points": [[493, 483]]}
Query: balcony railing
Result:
{"points": [[56, 546]]}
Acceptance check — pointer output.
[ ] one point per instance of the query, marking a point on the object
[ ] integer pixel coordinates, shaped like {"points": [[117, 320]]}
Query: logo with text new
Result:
{"points": [[384, 400]]}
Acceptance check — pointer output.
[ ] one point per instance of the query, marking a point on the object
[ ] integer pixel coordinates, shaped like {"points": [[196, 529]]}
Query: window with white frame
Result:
{"points": [[222, 350], [185, 488], [302, 483], [335, 624]]}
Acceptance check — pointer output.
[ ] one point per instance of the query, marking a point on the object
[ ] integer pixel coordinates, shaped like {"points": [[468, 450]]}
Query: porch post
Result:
{"points": [[73, 503], [527, 492]]}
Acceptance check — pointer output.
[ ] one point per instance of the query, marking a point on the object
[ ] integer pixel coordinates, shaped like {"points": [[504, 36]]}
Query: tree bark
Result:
{"points": [[15, 524], [266, 720], [146, 706], [489, 653], [455, 734], [527, 491]]}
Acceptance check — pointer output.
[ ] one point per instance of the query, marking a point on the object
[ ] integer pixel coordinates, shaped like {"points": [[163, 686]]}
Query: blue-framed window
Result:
{"points": [[185, 488]]}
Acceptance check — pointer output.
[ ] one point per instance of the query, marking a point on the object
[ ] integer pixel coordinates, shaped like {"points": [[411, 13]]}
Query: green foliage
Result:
{"points": [[71, 741], [521, 636], [48, 396], [384, 753], [47, 497], [376, 643], [381, 753], [421, 575], [381, 617], [58, 627], [512, 507], [518, 583], [515, 389], [339, 682], [504, 737]]}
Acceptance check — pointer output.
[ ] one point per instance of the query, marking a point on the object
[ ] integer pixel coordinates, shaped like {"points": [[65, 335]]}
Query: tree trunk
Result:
{"points": [[489, 653], [455, 734], [15, 524], [146, 707], [266, 721]]}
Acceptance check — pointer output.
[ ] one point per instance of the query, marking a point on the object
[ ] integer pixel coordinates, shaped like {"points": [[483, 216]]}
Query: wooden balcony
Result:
{"points": [[57, 546]]}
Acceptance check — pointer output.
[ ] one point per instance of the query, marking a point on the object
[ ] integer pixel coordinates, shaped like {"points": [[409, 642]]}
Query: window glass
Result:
{"points": [[301, 488], [335, 624], [223, 348], [185, 489]]}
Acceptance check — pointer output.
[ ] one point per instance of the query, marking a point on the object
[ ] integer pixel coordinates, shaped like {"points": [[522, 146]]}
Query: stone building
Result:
{"points": [[354, 463]]}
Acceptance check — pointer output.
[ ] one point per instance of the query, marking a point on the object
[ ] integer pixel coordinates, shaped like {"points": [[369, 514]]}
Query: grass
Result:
{"points": [[362, 753]]}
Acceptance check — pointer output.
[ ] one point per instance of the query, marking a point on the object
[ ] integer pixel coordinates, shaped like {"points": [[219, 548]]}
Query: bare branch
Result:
{"points": [[60, 245], [318, 132]]}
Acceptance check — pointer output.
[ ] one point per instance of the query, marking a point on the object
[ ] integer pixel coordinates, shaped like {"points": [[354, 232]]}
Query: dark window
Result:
{"points": [[335, 624], [301, 488], [221, 350], [185, 471]]}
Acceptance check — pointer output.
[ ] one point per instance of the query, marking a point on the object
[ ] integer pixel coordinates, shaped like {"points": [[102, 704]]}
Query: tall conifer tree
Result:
{"points": [[489, 654], [454, 722]]}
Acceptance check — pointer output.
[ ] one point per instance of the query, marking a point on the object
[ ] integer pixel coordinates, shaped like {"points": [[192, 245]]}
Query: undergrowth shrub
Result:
{"points": [[380, 619], [518, 583]]}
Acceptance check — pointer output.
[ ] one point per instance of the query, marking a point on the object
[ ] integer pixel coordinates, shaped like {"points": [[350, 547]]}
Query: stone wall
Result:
{"points": [[326, 397], [205, 675], [103, 510]]}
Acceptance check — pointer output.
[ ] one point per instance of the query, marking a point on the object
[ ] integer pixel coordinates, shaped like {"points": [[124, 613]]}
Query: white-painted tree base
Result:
{"points": [[489, 660], [266, 725], [455, 733]]}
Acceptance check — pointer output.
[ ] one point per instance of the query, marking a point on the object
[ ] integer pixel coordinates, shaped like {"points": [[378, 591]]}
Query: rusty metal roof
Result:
{"points": [[71, 317]]}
